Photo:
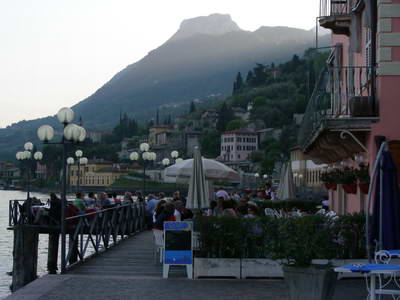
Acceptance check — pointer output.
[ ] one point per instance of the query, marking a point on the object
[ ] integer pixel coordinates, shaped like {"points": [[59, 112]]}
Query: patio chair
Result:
{"points": [[158, 245], [272, 213]]}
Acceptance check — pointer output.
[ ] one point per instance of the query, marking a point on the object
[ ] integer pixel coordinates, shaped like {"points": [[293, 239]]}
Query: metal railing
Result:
{"points": [[329, 8], [95, 232], [340, 93], [90, 233]]}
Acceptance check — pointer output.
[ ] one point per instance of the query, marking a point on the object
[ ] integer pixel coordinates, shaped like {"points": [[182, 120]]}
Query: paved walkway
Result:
{"points": [[128, 272]]}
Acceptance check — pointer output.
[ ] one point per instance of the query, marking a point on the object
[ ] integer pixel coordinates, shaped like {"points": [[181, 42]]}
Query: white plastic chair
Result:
{"points": [[158, 244]]}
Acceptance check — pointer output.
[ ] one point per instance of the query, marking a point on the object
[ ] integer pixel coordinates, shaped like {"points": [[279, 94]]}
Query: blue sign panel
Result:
{"points": [[178, 243], [178, 257]]}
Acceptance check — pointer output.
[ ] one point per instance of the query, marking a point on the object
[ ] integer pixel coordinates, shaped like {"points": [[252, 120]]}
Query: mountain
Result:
{"points": [[199, 61], [216, 24]]}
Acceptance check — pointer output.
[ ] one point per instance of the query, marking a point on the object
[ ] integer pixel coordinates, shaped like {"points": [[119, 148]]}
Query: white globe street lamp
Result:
{"points": [[28, 146], [178, 160], [72, 134], [65, 115], [165, 162], [45, 133], [144, 147], [146, 157], [26, 157], [78, 153], [174, 154]]}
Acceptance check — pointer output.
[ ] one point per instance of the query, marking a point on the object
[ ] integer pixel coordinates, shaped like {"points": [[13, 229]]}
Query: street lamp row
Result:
{"points": [[80, 162], [72, 133]]}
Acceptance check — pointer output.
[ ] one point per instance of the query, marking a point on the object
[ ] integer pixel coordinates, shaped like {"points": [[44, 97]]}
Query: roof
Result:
{"points": [[239, 132]]}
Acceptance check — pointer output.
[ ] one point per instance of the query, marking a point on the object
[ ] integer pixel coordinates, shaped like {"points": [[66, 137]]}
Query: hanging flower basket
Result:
{"points": [[350, 188], [331, 186], [364, 187]]}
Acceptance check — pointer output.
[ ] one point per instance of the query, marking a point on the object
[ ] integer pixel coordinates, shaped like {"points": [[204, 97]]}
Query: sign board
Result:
{"points": [[178, 248]]}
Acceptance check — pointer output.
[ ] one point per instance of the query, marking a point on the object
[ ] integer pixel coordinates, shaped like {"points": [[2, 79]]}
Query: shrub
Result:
{"points": [[297, 240]]}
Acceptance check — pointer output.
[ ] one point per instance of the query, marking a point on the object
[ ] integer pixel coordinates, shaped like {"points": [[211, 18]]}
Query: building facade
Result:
{"points": [[237, 145], [96, 173], [354, 105]]}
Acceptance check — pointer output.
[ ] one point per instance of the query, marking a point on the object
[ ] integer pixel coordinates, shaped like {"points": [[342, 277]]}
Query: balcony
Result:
{"points": [[336, 15], [343, 99]]}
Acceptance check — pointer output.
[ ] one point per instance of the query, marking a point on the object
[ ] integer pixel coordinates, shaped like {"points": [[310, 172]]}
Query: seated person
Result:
{"points": [[166, 215]]}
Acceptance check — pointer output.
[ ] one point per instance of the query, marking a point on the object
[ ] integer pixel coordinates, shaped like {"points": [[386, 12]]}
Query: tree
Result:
{"points": [[249, 78], [210, 144], [192, 107], [224, 117], [234, 125], [238, 84]]}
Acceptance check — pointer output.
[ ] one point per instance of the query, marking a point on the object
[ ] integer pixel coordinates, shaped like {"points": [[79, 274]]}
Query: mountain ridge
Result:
{"points": [[179, 71]]}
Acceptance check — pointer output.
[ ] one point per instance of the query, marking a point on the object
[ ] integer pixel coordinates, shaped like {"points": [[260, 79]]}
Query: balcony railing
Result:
{"points": [[341, 93], [329, 8]]}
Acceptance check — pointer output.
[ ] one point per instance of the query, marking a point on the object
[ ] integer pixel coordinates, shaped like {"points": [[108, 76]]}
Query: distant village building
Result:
{"points": [[41, 171], [210, 117], [158, 134], [241, 113], [237, 145], [9, 173], [95, 136], [97, 173]]}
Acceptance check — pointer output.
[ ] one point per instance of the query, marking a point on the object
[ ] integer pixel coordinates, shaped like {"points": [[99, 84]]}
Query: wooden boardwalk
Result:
{"points": [[134, 257]]}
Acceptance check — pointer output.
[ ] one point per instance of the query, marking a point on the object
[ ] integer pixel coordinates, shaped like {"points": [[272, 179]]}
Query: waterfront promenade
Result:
{"points": [[128, 271]]}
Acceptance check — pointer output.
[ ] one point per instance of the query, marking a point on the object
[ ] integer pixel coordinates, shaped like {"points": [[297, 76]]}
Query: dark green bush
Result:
{"points": [[296, 239]]}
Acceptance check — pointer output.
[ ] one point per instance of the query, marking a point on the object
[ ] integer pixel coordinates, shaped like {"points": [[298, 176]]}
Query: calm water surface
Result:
{"points": [[6, 241]]}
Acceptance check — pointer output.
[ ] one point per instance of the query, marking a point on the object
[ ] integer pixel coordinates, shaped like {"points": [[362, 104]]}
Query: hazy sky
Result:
{"points": [[55, 53]]}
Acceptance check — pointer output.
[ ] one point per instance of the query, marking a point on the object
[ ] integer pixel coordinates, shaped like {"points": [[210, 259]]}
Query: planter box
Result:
{"points": [[216, 267], [261, 267]]}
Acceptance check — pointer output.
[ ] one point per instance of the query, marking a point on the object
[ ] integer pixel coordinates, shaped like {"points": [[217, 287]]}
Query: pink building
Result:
{"points": [[355, 104], [236, 145]]}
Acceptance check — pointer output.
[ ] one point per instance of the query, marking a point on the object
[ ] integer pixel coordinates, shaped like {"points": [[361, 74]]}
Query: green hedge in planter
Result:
{"points": [[314, 236]]}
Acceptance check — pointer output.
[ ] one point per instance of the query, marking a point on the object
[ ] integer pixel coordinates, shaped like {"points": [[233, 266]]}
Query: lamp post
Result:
{"points": [[70, 162], [27, 156], [146, 157], [256, 175], [80, 161], [174, 155], [72, 134]]}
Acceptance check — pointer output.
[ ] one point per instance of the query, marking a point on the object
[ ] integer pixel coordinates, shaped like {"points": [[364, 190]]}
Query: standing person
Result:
{"points": [[55, 208], [79, 203], [90, 200], [222, 193], [176, 196], [150, 207], [269, 192]]}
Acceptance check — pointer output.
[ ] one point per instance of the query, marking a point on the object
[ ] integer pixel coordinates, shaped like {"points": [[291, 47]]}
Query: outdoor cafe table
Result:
{"points": [[376, 271]]}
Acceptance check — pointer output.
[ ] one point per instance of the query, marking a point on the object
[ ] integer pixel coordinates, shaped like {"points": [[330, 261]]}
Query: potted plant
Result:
{"points": [[347, 177], [302, 240], [329, 179], [363, 178]]}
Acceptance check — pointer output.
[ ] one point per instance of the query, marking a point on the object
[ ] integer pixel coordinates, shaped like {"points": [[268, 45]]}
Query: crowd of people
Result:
{"points": [[158, 208]]}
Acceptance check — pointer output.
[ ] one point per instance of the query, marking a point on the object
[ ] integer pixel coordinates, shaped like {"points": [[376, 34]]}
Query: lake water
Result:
{"points": [[6, 241]]}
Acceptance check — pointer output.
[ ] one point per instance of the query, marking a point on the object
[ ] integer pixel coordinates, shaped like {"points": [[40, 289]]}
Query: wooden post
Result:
{"points": [[52, 255], [25, 254], [73, 248]]}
